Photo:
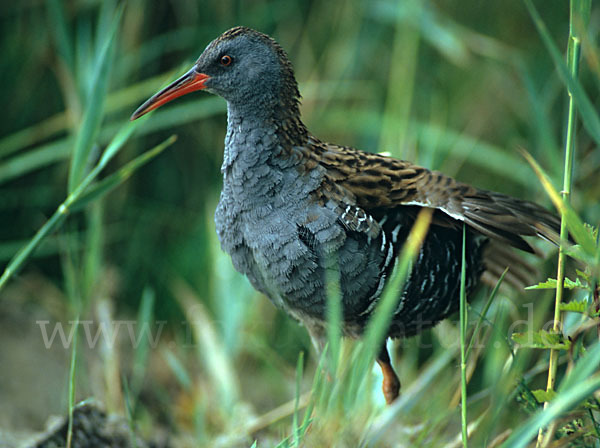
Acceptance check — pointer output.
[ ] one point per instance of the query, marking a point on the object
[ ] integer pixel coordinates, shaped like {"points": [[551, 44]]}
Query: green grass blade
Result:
{"points": [[82, 196], [117, 101], [40, 157], [50, 246], [104, 26], [178, 369], [568, 73], [140, 355], [401, 79], [484, 312], [478, 152], [23, 255], [59, 150], [117, 143], [317, 388], [92, 117], [72, 370], [84, 62], [544, 134], [92, 256], [129, 411], [574, 223], [585, 367], [589, 113], [295, 427], [334, 317], [60, 31], [32, 135], [209, 346], [463, 341], [111, 182], [563, 402]]}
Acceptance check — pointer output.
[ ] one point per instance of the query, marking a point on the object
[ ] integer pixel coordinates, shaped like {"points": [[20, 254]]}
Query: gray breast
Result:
{"points": [[280, 237]]}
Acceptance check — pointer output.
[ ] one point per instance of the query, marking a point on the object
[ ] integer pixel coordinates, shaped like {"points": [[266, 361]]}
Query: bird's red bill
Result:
{"points": [[189, 82]]}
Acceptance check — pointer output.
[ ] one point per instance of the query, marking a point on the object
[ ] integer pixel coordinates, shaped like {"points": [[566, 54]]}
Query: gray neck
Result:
{"points": [[261, 157], [258, 134]]}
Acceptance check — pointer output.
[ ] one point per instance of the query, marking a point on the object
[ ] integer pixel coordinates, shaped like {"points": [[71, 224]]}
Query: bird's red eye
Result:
{"points": [[226, 60]]}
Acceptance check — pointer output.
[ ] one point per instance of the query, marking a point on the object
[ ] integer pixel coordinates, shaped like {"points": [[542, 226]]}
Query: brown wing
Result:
{"points": [[376, 181]]}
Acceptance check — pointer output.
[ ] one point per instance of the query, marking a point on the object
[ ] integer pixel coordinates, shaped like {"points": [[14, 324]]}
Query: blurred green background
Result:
{"points": [[454, 86]]}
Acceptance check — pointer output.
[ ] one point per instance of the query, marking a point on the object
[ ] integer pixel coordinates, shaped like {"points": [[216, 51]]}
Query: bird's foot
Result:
{"points": [[391, 384]]}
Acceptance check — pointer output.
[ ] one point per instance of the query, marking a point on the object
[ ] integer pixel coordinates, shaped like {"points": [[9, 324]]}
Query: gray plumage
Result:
{"points": [[293, 207]]}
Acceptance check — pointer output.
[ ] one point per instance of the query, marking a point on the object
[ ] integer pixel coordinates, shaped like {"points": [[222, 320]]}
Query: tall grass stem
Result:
{"points": [[463, 343], [573, 56]]}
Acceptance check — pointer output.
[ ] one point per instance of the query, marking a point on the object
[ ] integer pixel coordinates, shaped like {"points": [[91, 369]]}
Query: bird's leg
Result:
{"points": [[391, 384], [318, 337]]}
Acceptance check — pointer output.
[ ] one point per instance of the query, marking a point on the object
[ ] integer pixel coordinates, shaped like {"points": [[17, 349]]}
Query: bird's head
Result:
{"points": [[243, 66]]}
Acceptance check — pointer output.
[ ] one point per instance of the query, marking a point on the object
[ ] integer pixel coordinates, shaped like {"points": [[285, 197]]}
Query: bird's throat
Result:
{"points": [[254, 138]]}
